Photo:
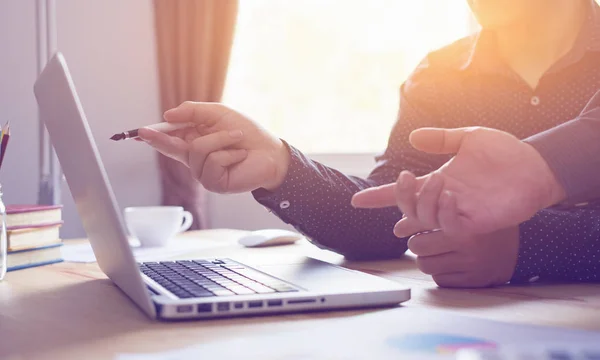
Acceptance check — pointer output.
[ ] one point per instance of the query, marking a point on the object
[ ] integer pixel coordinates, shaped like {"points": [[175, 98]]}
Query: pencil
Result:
{"points": [[2, 138], [4, 144], [164, 127]]}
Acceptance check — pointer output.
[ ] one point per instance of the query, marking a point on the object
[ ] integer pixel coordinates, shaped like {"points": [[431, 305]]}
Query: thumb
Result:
{"points": [[438, 141]]}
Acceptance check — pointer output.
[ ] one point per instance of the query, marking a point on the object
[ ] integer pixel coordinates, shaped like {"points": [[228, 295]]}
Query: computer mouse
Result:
{"points": [[269, 237]]}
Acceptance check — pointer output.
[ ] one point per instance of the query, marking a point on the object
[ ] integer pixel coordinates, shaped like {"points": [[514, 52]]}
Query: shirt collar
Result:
{"points": [[482, 54]]}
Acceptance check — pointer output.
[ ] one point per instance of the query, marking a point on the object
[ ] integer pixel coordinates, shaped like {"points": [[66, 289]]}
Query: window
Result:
{"points": [[325, 74]]}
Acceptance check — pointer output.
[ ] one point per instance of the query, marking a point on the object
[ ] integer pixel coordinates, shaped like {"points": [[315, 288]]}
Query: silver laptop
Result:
{"points": [[195, 288]]}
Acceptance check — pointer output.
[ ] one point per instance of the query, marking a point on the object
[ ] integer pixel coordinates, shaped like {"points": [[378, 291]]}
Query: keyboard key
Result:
{"points": [[201, 281], [185, 296], [184, 262], [227, 283], [202, 262], [202, 293]]}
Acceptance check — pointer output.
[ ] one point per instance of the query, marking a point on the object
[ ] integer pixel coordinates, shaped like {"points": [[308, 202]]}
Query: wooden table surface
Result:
{"points": [[71, 310]]}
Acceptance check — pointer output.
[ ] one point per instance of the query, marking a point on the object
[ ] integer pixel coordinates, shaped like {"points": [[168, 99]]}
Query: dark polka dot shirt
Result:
{"points": [[464, 84]]}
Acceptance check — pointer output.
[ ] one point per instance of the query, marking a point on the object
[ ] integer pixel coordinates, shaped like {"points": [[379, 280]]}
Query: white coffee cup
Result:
{"points": [[156, 225]]}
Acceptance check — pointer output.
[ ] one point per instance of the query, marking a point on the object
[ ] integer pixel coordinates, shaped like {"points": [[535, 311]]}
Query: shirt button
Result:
{"points": [[284, 204], [534, 279], [535, 101]]}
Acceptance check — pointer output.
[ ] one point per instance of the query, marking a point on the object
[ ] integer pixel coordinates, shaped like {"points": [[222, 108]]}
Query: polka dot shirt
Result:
{"points": [[464, 84]]}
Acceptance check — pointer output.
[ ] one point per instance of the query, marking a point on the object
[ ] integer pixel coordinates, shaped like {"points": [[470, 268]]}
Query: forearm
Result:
{"points": [[572, 151], [560, 245], [315, 199]]}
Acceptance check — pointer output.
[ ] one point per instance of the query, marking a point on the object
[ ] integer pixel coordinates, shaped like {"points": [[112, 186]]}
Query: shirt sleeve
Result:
{"points": [[316, 199], [560, 245], [572, 151]]}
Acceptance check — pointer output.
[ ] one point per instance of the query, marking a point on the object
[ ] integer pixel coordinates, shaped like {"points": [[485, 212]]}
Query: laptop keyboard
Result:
{"points": [[204, 278]]}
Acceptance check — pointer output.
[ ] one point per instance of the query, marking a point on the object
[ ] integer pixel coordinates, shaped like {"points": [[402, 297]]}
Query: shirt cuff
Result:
{"points": [[558, 245], [530, 263], [572, 150], [286, 201]]}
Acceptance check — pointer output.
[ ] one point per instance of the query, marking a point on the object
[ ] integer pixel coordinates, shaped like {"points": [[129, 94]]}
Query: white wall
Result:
{"points": [[19, 174], [109, 47]]}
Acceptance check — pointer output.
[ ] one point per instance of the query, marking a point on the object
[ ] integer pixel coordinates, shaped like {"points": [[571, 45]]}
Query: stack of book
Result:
{"points": [[33, 235]]}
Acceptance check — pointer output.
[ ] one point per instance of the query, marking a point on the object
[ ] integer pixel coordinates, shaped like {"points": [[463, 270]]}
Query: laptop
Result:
{"points": [[194, 288]]}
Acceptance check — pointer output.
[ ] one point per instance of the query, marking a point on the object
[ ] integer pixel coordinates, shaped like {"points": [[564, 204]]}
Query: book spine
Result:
{"points": [[37, 226], [34, 249], [22, 209], [20, 267]]}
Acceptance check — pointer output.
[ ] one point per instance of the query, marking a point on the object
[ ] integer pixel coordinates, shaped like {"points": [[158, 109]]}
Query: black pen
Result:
{"points": [[164, 127]]}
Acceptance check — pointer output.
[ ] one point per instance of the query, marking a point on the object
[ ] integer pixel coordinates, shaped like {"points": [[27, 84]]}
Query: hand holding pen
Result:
{"points": [[230, 154]]}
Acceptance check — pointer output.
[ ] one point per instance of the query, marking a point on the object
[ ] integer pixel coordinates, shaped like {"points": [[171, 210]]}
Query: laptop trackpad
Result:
{"points": [[315, 275]]}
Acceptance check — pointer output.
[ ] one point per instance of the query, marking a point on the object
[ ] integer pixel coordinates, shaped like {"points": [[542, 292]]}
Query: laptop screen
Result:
{"points": [[62, 113]]}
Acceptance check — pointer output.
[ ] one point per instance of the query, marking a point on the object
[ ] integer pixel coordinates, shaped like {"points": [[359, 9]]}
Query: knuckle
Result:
{"points": [[477, 131]]}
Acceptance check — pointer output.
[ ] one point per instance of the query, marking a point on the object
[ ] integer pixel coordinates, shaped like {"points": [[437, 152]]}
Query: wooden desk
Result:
{"points": [[72, 310]]}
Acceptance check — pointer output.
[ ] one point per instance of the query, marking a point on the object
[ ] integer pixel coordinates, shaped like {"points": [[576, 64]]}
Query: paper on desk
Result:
{"points": [[84, 252], [402, 333]]}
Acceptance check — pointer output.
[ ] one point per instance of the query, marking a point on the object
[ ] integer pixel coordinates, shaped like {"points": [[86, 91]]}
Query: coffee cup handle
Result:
{"points": [[187, 221]]}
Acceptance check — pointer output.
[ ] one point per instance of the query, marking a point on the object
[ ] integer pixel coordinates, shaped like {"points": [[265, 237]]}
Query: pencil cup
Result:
{"points": [[3, 238]]}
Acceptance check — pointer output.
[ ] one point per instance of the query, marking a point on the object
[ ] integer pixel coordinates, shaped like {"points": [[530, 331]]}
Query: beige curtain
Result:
{"points": [[194, 39]]}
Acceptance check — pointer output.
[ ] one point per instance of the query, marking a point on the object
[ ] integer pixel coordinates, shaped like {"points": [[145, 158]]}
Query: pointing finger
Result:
{"points": [[376, 197]]}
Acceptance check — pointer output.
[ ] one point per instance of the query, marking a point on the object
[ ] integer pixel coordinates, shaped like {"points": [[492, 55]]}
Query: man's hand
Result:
{"points": [[494, 181], [471, 261], [226, 151]]}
